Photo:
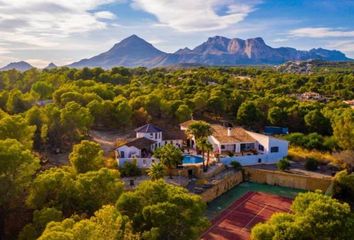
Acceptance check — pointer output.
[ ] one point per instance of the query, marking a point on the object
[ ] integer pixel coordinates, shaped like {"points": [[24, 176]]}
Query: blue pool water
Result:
{"points": [[190, 159]]}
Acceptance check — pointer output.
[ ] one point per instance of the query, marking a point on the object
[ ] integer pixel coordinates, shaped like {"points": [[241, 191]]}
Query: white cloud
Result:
{"points": [[105, 15], [43, 22], [320, 32], [346, 46], [197, 15]]}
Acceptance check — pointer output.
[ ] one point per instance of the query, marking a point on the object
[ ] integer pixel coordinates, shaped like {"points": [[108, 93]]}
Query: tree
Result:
{"points": [[248, 114], [344, 186], [106, 222], [17, 102], [36, 117], [205, 146], [75, 119], [123, 113], [40, 219], [86, 156], [315, 216], [170, 156], [347, 158], [97, 188], [163, 211], [86, 192], [183, 113], [156, 171], [201, 131], [311, 164], [277, 116], [54, 187], [17, 166], [43, 89], [141, 117], [283, 164], [343, 129], [236, 165], [16, 127], [316, 122]]}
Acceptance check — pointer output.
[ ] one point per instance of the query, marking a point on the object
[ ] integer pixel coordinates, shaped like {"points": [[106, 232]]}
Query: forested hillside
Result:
{"points": [[42, 111]]}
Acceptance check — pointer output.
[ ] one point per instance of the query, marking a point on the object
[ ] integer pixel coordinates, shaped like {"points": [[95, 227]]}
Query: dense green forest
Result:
{"points": [[45, 110]]}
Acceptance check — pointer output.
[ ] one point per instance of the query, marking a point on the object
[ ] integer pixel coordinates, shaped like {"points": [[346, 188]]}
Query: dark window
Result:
{"points": [[260, 147], [250, 146], [222, 146], [122, 154], [259, 160], [274, 149], [243, 146]]}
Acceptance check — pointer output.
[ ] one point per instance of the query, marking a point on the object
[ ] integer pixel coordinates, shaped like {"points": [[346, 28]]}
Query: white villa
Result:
{"points": [[246, 147], [148, 138], [230, 144]]}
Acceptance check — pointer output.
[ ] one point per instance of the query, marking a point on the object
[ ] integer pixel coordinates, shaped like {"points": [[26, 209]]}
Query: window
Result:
{"points": [[222, 146], [260, 147], [274, 149], [259, 160]]}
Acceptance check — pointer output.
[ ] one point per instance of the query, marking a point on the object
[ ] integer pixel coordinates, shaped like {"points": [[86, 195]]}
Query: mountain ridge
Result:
{"points": [[20, 66], [216, 51]]}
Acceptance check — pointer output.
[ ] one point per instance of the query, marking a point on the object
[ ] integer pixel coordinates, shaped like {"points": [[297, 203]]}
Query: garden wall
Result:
{"points": [[285, 179], [221, 186]]}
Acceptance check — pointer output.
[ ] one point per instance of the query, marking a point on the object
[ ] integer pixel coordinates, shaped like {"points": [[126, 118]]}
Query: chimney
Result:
{"points": [[229, 131]]}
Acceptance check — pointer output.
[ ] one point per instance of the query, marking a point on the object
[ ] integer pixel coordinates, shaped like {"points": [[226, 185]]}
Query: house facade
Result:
{"points": [[148, 138], [246, 147]]}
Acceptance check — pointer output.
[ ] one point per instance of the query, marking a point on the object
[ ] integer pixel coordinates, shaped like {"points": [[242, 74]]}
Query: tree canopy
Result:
{"points": [[315, 216]]}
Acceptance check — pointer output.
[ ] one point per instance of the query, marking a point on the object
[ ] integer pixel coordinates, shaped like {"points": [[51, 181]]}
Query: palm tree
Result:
{"points": [[170, 156], [156, 171], [205, 146], [201, 131]]}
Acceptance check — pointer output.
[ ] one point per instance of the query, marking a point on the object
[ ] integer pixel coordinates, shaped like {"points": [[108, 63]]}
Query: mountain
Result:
{"points": [[130, 52], [216, 51], [51, 66], [20, 66]]}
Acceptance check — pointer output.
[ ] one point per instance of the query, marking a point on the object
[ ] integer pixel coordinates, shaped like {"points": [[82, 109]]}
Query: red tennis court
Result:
{"points": [[236, 222]]}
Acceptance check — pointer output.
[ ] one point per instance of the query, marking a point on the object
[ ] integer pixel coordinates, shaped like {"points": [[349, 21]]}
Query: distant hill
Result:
{"points": [[20, 66], [131, 52], [51, 66], [216, 51]]}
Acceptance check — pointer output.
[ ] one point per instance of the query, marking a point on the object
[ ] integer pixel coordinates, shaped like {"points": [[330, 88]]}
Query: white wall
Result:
{"points": [[153, 136], [140, 162], [261, 139], [247, 160], [128, 151]]}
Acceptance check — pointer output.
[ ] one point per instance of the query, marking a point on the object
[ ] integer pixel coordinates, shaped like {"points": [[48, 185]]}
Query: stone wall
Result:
{"points": [[286, 179], [221, 186]]}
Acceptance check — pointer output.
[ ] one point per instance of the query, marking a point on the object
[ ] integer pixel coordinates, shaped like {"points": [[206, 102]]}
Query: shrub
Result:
{"points": [[130, 169], [311, 164], [283, 164], [236, 165]]}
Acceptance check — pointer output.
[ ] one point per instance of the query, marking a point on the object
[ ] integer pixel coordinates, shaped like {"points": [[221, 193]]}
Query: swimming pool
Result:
{"points": [[191, 159]]}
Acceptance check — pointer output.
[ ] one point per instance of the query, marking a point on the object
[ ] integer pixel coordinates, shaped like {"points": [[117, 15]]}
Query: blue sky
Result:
{"points": [[43, 31]]}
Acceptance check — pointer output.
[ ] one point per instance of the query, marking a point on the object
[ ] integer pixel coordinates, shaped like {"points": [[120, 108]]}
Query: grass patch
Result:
{"points": [[299, 154]]}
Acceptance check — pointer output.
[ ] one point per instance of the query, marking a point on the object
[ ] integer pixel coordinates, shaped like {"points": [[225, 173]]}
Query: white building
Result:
{"points": [[246, 147], [148, 138]]}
